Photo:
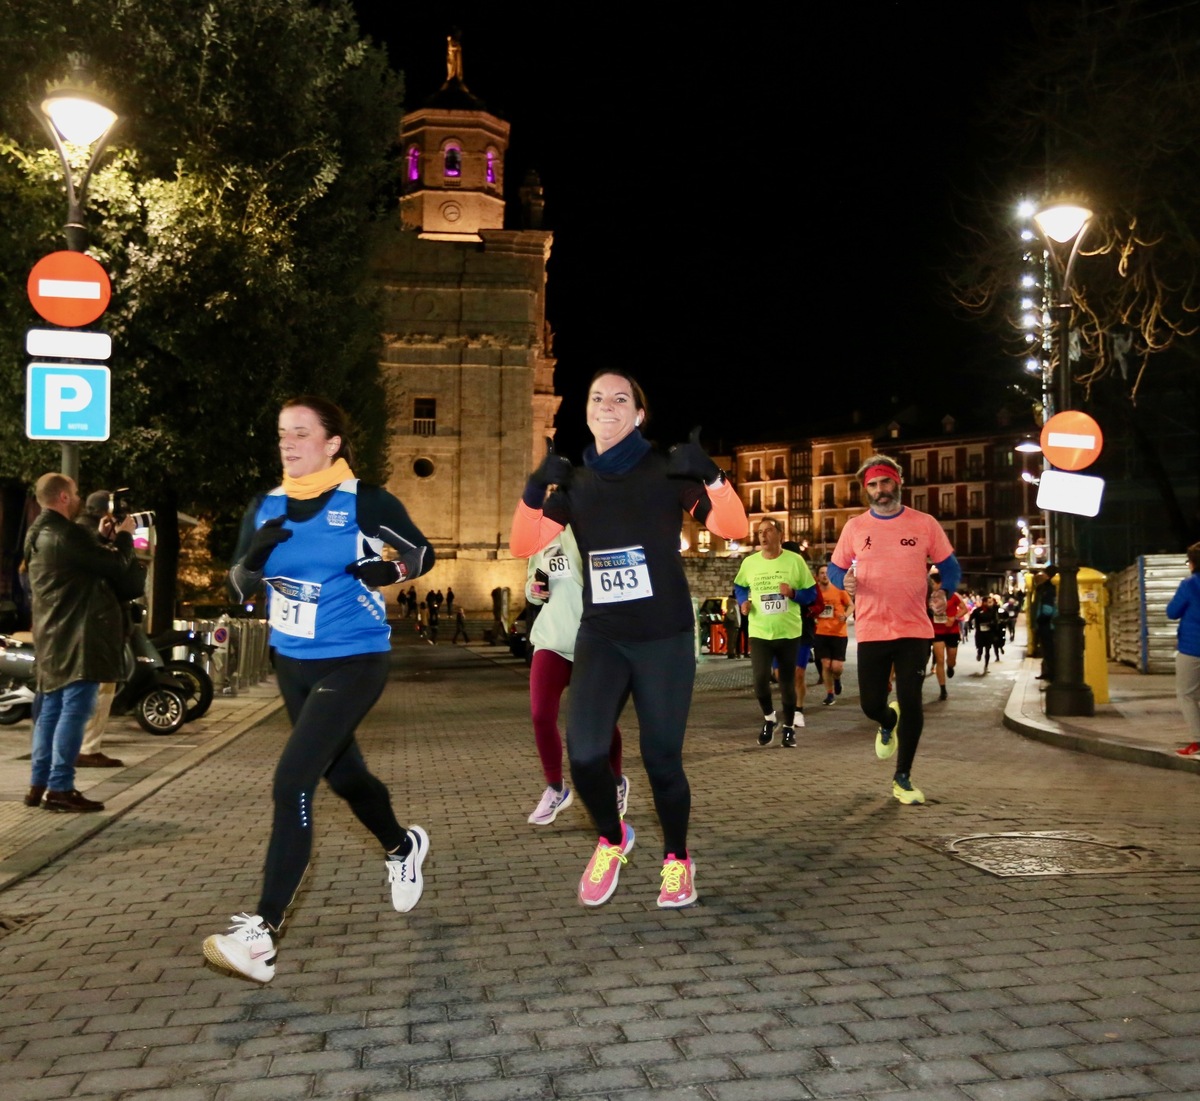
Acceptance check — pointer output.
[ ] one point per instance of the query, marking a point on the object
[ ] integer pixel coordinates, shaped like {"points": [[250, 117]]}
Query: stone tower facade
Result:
{"points": [[467, 355]]}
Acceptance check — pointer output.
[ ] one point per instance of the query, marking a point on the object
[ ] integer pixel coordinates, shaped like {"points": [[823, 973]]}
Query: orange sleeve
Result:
{"points": [[531, 530], [727, 514]]}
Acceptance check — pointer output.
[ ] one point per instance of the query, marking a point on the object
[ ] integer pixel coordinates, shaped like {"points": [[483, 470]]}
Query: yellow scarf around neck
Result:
{"points": [[313, 485]]}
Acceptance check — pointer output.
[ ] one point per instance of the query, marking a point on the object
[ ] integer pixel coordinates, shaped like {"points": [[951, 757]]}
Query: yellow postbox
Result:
{"points": [[1093, 600]]}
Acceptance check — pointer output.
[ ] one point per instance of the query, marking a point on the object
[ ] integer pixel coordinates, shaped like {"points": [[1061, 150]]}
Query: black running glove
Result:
{"points": [[554, 470], [265, 540], [376, 572], [689, 460]]}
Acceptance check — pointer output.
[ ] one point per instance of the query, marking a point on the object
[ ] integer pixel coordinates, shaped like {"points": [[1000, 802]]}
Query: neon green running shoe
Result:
{"points": [[902, 789], [885, 740]]}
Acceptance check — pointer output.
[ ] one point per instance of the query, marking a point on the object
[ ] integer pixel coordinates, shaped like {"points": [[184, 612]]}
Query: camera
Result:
{"points": [[118, 509]]}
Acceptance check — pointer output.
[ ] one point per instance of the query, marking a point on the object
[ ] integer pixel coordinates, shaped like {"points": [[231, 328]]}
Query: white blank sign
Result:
{"points": [[1078, 494]]}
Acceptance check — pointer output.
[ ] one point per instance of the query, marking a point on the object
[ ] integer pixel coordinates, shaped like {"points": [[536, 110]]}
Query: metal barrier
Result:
{"points": [[242, 656]]}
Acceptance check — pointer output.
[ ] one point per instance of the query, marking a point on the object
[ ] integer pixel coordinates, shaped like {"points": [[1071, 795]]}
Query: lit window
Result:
{"points": [[453, 156], [491, 166], [414, 163]]}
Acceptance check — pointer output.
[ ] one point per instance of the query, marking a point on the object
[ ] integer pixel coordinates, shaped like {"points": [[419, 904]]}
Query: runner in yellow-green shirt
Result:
{"points": [[770, 588]]}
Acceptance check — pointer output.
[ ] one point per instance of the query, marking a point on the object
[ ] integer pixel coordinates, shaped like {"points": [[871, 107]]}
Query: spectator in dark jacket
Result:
{"points": [[78, 629]]}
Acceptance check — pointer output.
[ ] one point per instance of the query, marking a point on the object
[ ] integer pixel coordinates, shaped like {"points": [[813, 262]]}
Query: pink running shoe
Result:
{"points": [[678, 883], [600, 876]]}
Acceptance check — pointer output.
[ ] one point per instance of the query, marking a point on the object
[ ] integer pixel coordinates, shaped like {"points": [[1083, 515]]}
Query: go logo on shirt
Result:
{"points": [[908, 542]]}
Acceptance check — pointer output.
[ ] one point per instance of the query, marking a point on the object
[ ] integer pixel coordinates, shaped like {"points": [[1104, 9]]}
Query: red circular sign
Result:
{"points": [[69, 289], [1071, 440]]}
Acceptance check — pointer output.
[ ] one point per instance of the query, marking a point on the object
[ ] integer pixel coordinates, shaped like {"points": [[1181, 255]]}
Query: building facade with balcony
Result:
{"points": [[969, 481], [775, 480]]}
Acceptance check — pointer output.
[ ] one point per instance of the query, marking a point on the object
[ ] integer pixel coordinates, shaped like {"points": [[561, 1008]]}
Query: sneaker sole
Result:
{"points": [[534, 820], [214, 955], [671, 904]]}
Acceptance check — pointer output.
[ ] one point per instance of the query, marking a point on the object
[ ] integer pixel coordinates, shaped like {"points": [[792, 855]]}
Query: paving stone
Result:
{"points": [[1098, 1085]]}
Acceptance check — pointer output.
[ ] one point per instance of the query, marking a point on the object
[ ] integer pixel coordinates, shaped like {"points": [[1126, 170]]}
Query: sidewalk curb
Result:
{"points": [[76, 829], [1023, 714]]}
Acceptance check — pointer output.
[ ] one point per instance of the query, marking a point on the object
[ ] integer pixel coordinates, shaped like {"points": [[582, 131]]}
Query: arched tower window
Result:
{"points": [[453, 161], [491, 166], [414, 163]]}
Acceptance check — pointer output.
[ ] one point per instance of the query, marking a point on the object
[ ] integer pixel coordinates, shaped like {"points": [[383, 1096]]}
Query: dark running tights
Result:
{"points": [[875, 661], [659, 675], [782, 651], [326, 699]]}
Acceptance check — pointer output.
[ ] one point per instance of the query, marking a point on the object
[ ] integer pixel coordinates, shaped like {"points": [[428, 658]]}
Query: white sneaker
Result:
{"points": [[404, 872], [799, 720], [248, 948], [622, 795], [551, 803]]}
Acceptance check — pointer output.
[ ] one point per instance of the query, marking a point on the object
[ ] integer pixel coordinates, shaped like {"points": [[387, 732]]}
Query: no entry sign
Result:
{"points": [[1071, 440], [69, 288]]}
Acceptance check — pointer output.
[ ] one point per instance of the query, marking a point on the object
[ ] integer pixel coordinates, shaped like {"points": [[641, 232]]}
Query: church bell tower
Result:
{"points": [[454, 148], [468, 358]]}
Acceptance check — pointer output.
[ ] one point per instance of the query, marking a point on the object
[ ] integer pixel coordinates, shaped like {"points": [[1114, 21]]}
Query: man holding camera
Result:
{"points": [[97, 517], [78, 629]]}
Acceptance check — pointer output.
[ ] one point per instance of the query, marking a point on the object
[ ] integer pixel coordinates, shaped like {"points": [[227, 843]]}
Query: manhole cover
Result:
{"points": [[1052, 853]]}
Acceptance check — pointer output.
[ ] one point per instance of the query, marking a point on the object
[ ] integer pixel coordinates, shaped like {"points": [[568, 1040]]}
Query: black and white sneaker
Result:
{"points": [[789, 738], [404, 872], [767, 734]]}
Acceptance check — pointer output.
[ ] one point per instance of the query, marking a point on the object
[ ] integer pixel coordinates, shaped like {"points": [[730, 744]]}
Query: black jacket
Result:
{"points": [[78, 623]]}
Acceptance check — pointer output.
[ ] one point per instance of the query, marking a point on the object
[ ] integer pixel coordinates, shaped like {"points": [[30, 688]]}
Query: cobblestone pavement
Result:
{"points": [[838, 950]]}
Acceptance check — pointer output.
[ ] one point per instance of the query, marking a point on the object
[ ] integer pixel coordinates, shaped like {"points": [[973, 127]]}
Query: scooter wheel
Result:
{"points": [[13, 713], [199, 687], [161, 710]]}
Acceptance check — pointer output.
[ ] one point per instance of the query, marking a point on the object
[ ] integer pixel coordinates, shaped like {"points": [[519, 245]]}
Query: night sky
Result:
{"points": [[750, 216]]}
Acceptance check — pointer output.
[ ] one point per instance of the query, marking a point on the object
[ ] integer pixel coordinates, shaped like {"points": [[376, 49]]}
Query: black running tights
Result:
{"points": [[875, 662], [326, 699], [782, 651], [659, 674]]}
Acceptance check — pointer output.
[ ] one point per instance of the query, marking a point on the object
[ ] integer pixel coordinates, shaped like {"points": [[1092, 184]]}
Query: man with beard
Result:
{"points": [[882, 561]]}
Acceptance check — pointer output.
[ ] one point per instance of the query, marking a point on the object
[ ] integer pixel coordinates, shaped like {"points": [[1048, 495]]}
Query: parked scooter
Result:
{"points": [[154, 695], [191, 671], [16, 680]]}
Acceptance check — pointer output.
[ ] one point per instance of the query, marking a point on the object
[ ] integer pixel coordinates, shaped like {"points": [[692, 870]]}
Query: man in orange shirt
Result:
{"points": [[832, 633], [882, 560]]}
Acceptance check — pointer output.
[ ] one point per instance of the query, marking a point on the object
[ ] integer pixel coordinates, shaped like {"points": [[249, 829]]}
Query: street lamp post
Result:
{"points": [[74, 113], [1064, 224]]}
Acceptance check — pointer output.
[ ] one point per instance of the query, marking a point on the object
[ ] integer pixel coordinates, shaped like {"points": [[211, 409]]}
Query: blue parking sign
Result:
{"points": [[67, 401]]}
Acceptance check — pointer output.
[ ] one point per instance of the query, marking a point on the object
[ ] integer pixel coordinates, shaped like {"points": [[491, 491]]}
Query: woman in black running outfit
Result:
{"points": [[636, 634], [316, 542]]}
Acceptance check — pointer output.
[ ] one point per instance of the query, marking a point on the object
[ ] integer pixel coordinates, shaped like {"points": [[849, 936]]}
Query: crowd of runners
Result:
{"points": [[617, 625]]}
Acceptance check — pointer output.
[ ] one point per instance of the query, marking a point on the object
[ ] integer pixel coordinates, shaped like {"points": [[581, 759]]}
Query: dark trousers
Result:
{"points": [[764, 651], [326, 699], [875, 662], [1045, 637], [659, 675]]}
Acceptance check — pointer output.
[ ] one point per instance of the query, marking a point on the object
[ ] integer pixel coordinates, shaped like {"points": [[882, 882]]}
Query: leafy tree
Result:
{"points": [[1102, 104], [234, 216]]}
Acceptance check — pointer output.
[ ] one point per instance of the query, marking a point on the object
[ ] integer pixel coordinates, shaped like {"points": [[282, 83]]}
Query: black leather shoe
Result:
{"points": [[97, 760], [65, 801], [34, 798]]}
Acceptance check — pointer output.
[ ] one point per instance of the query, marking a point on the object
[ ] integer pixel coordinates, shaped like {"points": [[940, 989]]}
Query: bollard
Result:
{"points": [[224, 658]]}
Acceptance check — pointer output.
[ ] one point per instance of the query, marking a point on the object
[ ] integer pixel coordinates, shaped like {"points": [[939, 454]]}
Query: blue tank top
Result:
{"points": [[316, 609]]}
